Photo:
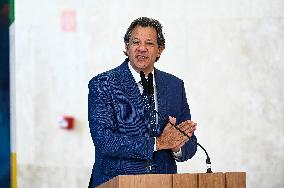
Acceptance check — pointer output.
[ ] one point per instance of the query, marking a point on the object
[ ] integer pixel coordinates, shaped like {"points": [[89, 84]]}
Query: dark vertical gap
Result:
{"points": [[172, 180], [197, 180], [225, 179]]}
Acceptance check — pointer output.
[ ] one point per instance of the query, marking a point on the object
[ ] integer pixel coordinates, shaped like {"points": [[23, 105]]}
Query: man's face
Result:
{"points": [[143, 48]]}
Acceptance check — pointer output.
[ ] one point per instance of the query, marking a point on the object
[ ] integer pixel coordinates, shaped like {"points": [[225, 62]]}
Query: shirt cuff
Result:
{"points": [[177, 154]]}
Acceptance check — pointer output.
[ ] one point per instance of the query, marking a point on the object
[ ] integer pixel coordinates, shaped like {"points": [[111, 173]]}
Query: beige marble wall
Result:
{"points": [[230, 54]]}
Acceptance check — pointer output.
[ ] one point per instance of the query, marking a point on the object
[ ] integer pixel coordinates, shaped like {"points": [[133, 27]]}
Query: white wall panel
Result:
{"points": [[229, 53]]}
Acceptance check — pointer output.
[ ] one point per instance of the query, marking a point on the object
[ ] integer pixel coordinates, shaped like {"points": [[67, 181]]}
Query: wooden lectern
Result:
{"points": [[199, 180]]}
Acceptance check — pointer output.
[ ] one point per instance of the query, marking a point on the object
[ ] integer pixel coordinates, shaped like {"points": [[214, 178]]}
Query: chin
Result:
{"points": [[141, 65]]}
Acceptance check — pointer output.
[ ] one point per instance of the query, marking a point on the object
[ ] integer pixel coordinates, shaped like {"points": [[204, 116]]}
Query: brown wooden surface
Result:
{"points": [[153, 181], [235, 179], [185, 181], [211, 180], [113, 183], [126, 181], [140, 181], [201, 180]]}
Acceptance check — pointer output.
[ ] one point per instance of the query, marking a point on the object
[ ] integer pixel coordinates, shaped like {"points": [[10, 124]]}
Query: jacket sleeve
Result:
{"points": [[190, 147], [103, 128]]}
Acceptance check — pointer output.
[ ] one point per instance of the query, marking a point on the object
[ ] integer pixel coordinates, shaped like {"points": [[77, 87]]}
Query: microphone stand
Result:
{"points": [[150, 94], [208, 162], [149, 128], [147, 92]]}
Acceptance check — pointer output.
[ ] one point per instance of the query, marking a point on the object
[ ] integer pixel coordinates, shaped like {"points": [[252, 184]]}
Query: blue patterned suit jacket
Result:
{"points": [[119, 128]]}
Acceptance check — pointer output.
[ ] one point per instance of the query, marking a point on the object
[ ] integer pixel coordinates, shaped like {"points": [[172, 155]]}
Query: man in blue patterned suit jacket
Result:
{"points": [[118, 120]]}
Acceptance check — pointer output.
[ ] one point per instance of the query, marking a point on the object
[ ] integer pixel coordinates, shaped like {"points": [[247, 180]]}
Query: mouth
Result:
{"points": [[141, 57]]}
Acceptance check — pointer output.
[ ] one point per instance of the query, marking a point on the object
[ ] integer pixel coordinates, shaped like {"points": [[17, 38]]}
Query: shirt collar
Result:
{"points": [[136, 75]]}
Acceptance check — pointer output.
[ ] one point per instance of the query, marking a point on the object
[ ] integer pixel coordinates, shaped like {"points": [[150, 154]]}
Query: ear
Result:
{"points": [[126, 50], [160, 50], [126, 47]]}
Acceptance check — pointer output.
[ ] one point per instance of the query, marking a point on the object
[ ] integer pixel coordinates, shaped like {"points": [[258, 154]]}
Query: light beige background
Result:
{"points": [[230, 53]]}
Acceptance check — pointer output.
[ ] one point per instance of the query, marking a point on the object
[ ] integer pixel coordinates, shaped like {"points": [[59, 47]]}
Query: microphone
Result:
{"points": [[208, 161], [148, 87]]}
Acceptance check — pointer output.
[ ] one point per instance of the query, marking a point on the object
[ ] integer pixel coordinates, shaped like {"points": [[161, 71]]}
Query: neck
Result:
{"points": [[146, 71]]}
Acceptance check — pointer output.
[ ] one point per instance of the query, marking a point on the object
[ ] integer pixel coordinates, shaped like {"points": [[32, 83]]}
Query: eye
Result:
{"points": [[135, 42], [150, 43]]}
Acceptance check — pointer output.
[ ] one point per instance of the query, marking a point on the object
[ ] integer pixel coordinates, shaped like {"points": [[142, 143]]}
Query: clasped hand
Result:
{"points": [[171, 138]]}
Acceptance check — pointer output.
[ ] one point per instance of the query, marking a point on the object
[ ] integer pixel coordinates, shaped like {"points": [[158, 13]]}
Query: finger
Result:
{"points": [[182, 138], [183, 126], [193, 129], [188, 130], [167, 130], [172, 120], [193, 123], [188, 123], [189, 134]]}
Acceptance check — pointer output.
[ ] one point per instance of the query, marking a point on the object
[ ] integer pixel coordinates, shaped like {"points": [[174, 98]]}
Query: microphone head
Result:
{"points": [[142, 75]]}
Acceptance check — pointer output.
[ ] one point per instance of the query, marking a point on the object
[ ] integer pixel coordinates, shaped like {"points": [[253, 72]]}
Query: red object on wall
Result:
{"points": [[66, 122], [68, 21], [4, 14]]}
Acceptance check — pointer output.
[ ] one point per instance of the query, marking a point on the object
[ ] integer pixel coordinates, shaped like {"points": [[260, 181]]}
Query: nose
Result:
{"points": [[142, 47]]}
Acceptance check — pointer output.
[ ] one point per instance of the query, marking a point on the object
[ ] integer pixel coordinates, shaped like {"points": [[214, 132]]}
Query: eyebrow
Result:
{"points": [[152, 40]]}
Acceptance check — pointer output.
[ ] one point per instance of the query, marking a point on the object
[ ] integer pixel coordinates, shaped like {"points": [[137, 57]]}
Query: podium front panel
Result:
{"points": [[185, 181], [235, 179], [199, 180], [140, 181], [153, 180], [211, 180]]}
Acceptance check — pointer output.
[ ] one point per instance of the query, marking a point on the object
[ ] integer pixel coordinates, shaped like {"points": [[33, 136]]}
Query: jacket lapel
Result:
{"points": [[129, 86], [132, 92], [162, 98]]}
